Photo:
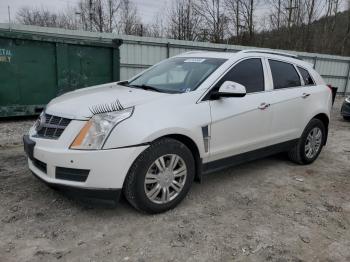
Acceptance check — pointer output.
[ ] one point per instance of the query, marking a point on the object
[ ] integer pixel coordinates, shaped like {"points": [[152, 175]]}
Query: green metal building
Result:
{"points": [[36, 67]]}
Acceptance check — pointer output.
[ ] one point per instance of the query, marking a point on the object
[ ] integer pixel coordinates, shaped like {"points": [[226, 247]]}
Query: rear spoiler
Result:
{"points": [[334, 92]]}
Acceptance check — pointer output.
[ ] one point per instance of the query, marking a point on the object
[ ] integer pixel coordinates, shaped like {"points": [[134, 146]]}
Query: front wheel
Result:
{"points": [[160, 177], [310, 143]]}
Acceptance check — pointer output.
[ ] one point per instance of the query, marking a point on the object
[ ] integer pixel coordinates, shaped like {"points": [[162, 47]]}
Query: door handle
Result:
{"points": [[263, 106], [305, 95]]}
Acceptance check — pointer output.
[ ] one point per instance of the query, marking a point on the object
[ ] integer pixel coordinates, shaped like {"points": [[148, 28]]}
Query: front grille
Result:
{"points": [[72, 174], [50, 126], [40, 165]]}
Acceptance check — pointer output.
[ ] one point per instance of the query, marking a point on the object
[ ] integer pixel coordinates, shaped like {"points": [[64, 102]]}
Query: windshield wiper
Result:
{"points": [[146, 87], [123, 83]]}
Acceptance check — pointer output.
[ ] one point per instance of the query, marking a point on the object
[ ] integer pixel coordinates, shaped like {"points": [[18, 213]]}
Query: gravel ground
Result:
{"points": [[11, 131], [267, 210]]}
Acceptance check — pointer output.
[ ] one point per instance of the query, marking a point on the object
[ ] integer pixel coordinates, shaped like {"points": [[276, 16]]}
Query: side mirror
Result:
{"points": [[230, 89]]}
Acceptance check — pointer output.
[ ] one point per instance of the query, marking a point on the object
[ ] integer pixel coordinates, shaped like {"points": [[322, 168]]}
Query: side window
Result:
{"points": [[249, 73], [306, 76], [284, 75]]}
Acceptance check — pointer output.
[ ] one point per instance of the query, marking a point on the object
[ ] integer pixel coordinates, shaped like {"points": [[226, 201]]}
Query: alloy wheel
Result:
{"points": [[165, 178], [313, 142]]}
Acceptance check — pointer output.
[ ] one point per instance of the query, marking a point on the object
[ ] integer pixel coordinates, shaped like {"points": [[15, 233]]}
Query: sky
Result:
{"points": [[148, 9]]}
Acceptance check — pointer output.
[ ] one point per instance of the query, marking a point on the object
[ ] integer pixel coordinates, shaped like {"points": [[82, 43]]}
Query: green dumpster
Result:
{"points": [[34, 68]]}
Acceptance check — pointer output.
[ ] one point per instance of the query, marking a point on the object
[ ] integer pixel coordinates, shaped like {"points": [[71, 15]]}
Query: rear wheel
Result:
{"points": [[310, 144], [160, 177], [347, 118]]}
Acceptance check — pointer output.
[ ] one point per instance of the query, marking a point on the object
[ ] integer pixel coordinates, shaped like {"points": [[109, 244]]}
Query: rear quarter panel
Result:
{"points": [[319, 102]]}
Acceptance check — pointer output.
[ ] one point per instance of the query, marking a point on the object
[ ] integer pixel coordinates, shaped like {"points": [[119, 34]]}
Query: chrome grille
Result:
{"points": [[50, 126]]}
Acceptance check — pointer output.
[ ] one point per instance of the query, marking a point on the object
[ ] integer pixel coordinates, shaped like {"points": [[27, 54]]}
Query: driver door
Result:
{"points": [[242, 124]]}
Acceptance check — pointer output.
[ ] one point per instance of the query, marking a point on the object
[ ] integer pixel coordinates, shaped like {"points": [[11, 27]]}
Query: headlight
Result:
{"points": [[347, 99], [96, 130]]}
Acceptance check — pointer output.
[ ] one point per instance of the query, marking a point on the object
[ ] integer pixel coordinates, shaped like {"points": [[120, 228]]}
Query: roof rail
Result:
{"points": [[271, 52]]}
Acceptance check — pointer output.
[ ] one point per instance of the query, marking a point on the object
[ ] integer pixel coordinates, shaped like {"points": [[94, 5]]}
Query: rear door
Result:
{"points": [[316, 98], [241, 124], [286, 101]]}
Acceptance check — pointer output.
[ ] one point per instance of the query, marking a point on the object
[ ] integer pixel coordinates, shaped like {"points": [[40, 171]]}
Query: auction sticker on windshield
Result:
{"points": [[194, 60]]}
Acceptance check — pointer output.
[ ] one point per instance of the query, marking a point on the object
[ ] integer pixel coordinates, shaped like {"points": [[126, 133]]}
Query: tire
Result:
{"points": [[298, 153], [143, 194], [53, 187], [346, 118]]}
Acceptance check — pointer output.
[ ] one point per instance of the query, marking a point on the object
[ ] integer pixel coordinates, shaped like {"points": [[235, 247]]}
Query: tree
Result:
{"points": [[312, 8], [110, 16], [345, 49], [129, 21], [99, 15], [183, 20], [233, 8], [157, 28], [214, 21], [332, 10], [276, 17], [43, 17], [248, 8], [113, 7]]}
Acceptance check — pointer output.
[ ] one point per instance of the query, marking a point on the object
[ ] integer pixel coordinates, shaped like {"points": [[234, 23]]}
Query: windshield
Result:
{"points": [[177, 75]]}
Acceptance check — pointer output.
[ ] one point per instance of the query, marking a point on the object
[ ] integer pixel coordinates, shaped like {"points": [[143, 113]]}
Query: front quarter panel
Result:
{"points": [[175, 114]]}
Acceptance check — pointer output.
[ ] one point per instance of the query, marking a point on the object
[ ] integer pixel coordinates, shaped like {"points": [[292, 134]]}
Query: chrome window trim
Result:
{"points": [[297, 71], [302, 82], [228, 69], [309, 75], [267, 75]]}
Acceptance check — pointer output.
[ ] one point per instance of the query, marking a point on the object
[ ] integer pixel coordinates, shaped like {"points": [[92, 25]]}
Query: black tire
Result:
{"points": [[297, 153], [53, 187], [134, 190], [346, 118]]}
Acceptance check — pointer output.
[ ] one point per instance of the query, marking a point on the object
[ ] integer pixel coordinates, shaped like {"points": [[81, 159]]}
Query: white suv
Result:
{"points": [[152, 136]]}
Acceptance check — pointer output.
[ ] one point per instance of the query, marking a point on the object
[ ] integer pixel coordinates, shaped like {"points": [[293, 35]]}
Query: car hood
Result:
{"points": [[77, 104]]}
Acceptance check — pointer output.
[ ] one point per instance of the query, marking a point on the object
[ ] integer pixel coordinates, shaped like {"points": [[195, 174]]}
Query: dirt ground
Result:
{"points": [[267, 210]]}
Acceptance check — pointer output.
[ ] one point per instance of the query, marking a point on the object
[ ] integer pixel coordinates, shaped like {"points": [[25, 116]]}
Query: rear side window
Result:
{"points": [[284, 75], [249, 73], [306, 76]]}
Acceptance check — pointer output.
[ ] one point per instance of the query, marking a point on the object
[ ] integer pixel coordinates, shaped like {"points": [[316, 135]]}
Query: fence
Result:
{"points": [[138, 53]]}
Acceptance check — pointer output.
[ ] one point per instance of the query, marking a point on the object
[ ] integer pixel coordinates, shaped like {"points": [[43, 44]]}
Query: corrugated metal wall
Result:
{"points": [[138, 53]]}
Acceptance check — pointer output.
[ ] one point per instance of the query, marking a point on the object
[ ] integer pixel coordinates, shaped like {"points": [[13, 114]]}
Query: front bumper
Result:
{"points": [[85, 172], [345, 109], [85, 193]]}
